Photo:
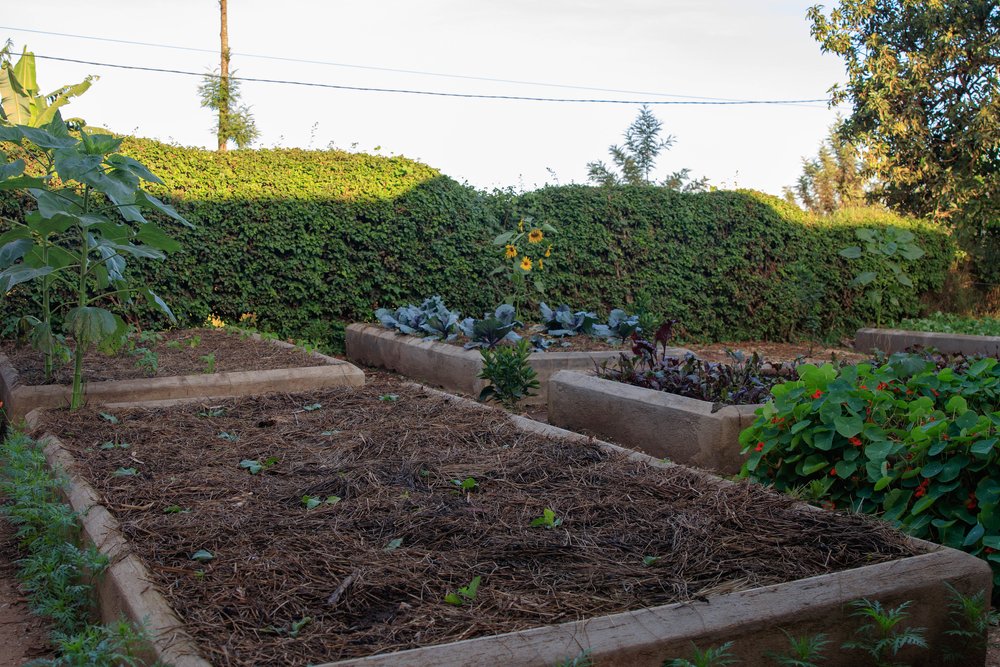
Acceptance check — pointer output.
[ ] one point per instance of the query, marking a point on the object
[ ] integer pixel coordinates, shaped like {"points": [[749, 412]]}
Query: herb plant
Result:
{"points": [[511, 378], [492, 329], [881, 635], [713, 656], [88, 220]]}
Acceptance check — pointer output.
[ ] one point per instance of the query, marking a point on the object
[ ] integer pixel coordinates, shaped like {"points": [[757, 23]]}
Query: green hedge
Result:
{"points": [[310, 239]]}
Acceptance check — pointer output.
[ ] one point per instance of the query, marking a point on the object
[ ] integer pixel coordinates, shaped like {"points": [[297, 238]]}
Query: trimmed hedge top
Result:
{"points": [[307, 240]]}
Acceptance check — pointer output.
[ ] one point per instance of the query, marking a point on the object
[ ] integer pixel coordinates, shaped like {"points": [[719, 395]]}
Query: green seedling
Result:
{"points": [[202, 556], [173, 344], [194, 342], [548, 520], [713, 656], [293, 631], [469, 484], [393, 545], [114, 445], [312, 502], [212, 412], [226, 435], [111, 419], [312, 407], [389, 398], [148, 361], [175, 509], [125, 472], [255, 466], [805, 651], [209, 361], [464, 594], [335, 432], [649, 561], [881, 634]]}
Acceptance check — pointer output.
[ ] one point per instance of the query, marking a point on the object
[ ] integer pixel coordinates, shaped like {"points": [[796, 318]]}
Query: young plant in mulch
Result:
{"points": [[909, 440], [741, 382], [511, 378], [88, 221]]}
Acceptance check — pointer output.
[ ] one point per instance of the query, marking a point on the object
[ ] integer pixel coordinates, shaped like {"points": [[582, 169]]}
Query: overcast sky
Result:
{"points": [[736, 49]]}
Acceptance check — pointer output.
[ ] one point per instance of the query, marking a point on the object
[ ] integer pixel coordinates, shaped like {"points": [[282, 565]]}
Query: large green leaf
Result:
{"points": [[73, 165], [149, 201], [13, 251], [155, 237], [853, 252], [91, 324], [43, 138], [16, 101], [11, 169], [19, 273]]}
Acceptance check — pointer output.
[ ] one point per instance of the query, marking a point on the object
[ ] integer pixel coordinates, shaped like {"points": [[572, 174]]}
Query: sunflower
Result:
{"points": [[520, 226], [539, 263], [526, 264], [535, 236], [548, 251], [511, 251]]}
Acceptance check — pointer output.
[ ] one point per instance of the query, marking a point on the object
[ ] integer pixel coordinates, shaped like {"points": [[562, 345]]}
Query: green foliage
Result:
{"points": [[924, 81], [969, 619], [637, 158], [883, 252], [548, 520], [526, 252], [21, 100], [57, 574], [807, 651], [492, 329], [881, 634], [713, 656], [913, 442], [234, 121], [310, 239], [510, 376], [949, 323], [465, 593], [832, 180]]}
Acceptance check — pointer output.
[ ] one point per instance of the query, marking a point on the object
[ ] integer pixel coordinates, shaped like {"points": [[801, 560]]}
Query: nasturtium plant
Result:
{"points": [[88, 222], [907, 439]]}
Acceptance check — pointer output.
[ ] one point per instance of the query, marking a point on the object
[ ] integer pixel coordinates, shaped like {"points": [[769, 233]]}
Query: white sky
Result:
{"points": [[745, 49]]}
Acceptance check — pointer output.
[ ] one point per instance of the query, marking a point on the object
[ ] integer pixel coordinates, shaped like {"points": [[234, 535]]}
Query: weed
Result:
{"points": [[175, 509], [125, 472], [389, 398], [713, 656], [312, 407], [110, 444], [465, 593], [173, 344], [469, 484], [148, 361], [227, 436], [649, 561], [881, 638], [212, 412], [111, 419], [209, 361], [548, 520], [312, 502]]}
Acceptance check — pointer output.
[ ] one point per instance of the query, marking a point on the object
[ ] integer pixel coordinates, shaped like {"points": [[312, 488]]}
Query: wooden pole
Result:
{"points": [[223, 76]]}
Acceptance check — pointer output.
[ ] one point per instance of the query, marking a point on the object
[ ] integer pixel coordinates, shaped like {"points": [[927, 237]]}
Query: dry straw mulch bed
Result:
{"points": [[390, 452], [231, 351]]}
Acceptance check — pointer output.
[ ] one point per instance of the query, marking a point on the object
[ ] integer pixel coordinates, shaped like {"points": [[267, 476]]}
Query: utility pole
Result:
{"points": [[223, 76]]}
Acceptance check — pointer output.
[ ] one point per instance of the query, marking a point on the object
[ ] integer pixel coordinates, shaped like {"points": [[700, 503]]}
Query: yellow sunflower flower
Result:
{"points": [[548, 251], [535, 236], [511, 251], [520, 226], [539, 263], [526, 264]]}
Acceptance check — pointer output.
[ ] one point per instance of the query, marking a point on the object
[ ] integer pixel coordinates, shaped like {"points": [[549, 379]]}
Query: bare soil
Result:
{"points": [[178, 352], [806, 352], [23, 636], [369, 573]]}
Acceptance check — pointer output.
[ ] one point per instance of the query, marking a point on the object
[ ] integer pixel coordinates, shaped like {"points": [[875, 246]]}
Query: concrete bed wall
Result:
{"points": [[453, 368], [683, 430], [897, 340], [21, 399]]}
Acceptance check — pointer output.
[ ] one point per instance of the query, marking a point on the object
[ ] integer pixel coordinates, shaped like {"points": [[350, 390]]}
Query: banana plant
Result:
{"points": [[87, 224], [21, 100]]}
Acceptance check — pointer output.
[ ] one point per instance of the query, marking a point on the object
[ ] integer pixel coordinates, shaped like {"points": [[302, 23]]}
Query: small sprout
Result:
{"points": [[468, 484], [335, 432], [125, 472], [109, 418], [389, 398], [312, 407], [202, 556], [393, 545], [298, 625], [212, 412], [252, 465], [111, 444], [231, 437], [424, 472], [194, 342], [312, 502], [464, 594], [209, 360], [650, 560], [200, 574], [175, 509], [173, 344], [548, 520]]}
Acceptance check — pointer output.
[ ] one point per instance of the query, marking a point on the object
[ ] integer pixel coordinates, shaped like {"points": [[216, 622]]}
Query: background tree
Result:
{"points": [[924, 80], [220, 92], [637, 158], [21, 100], [833, 179]]}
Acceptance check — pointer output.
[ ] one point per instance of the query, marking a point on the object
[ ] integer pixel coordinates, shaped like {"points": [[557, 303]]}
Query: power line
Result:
{"points": [[407, 91], [372, 67]]}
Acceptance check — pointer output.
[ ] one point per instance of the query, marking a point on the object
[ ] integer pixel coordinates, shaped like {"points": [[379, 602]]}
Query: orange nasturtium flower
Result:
{"points": [[526, 264], [511, 251], [535, 236]]}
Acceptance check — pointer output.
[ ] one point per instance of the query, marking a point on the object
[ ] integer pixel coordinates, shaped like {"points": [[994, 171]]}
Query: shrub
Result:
{"points": [[948, 323], [510, 376], [907, 439]]}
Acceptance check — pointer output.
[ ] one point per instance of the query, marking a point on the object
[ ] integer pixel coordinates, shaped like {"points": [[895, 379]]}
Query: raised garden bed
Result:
{"points": [[664, 425], [289, 575], [451, 367], [193, 363], [897, 340]]}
